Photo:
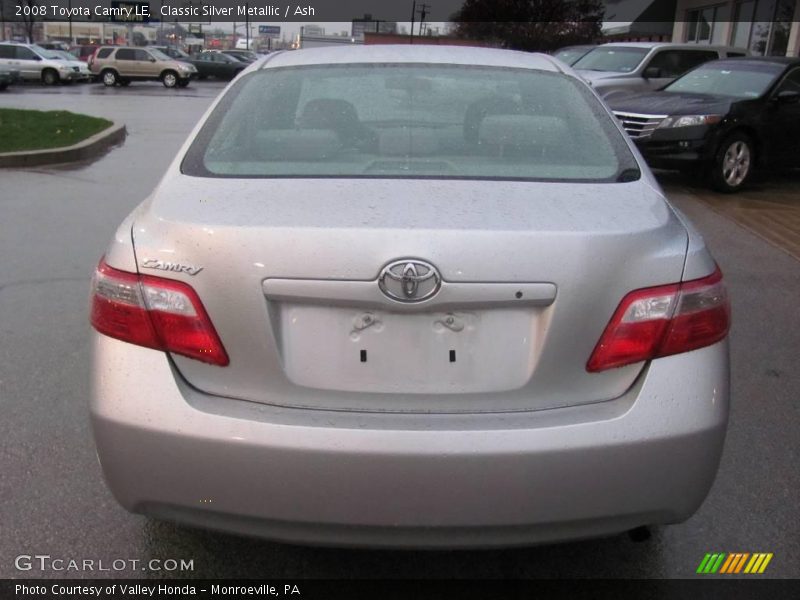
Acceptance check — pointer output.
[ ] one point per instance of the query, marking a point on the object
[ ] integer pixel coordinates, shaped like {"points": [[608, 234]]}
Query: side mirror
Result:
{"points": [[788, 97], [37, 57], [152, 59], [652, 73]]}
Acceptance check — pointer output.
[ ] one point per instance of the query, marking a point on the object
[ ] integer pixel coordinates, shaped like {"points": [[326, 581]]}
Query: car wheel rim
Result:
{"points": [[736, 163], [49, 79], [109, 79], [170, 80]]}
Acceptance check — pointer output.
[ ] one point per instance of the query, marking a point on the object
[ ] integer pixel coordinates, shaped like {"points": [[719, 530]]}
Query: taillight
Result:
{"points": [[665, 320], [154, 312]]}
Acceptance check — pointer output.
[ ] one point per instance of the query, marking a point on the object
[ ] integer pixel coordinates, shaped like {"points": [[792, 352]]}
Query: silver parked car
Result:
{"points": [[409, 296], [625, 67], [37, 64]]}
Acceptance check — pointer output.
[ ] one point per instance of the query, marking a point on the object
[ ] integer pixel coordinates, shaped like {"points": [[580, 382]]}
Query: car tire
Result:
{"points": [[183, 83], [169, 79], [734, 163], [3, 86], [50, 77], [109, 78]]}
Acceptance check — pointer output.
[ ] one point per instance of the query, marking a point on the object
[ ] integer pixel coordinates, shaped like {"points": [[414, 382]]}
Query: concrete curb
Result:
{"points": [[89, 148]]}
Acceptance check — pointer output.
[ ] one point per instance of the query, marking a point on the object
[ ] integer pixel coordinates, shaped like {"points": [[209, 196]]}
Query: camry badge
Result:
{"points": [[409, 280], [154, 263]]}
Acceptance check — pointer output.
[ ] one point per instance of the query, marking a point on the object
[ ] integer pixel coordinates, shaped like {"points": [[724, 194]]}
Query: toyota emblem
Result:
{"points": [[409, 280]]}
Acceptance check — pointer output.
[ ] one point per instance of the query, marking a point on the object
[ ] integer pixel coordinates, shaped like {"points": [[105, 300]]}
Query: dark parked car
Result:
{"points": [[246, 56], [572, 54], [173, 52], [724, 118], [54, 46], [217, 64], [7, 77]]}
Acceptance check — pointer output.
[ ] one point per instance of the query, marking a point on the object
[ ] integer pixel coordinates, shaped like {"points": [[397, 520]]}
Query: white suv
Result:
{"points": [[34, 63]]}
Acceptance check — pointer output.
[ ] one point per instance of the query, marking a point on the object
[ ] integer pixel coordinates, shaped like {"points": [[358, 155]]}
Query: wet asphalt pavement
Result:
{"points": [[54, 225]]}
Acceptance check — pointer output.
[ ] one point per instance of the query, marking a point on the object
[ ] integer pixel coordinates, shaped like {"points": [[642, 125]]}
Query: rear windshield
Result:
{"points": [[617, 59], [396, 120], [727, 79]]}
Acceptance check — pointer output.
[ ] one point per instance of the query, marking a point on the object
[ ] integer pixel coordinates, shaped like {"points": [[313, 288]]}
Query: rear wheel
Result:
{"points": [[733, 163], [109, 78], [169, 79], [50, 77]]}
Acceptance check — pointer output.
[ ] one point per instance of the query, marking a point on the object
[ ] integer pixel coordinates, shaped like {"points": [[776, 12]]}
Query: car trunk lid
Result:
{"points": [[530, 275]]}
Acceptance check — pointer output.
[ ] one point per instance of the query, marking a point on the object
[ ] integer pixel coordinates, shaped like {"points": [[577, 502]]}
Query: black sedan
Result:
{"points": [[217, 64], [724, 119], [246, 56], [173, 52]]}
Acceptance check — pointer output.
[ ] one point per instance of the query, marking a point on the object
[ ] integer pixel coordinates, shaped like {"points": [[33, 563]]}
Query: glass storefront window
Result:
{"points": [[763, 26], [779, 42], [722, 14], [705, 24], [743, 23]]}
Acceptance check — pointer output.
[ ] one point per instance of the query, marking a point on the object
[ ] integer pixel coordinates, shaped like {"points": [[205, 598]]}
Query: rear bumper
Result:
{"points": [[340, 478]]}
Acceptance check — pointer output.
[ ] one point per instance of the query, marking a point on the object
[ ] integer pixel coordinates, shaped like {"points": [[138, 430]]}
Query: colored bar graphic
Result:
{"points": [[703, 563], [710, 564], [753, 564], [741, 562], [734, 562], [718, 564], [765, 563], [730, 562]]}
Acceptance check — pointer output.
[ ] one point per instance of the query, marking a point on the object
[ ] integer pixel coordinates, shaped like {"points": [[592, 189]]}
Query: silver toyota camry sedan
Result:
{"points": [[409, 297]]}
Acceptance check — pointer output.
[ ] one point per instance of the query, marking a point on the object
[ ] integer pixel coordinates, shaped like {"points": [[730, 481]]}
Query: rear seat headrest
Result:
{"points": [[522, 130]]}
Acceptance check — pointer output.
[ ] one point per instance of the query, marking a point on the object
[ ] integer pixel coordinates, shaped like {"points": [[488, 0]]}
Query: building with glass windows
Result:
{"points": [[765, 27]]}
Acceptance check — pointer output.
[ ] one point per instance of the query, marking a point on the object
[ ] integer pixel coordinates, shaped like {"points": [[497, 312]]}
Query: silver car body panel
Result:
{"points": [[328, 452], [245, 233], [330, 477]]}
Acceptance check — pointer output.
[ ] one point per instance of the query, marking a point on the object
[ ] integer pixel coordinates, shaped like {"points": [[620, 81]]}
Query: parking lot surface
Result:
{"points": [[55, 224], [770, 209]]}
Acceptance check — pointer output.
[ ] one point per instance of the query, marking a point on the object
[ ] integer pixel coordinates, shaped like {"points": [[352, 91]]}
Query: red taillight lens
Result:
{"points": [[664, 320], [154, 312]]}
